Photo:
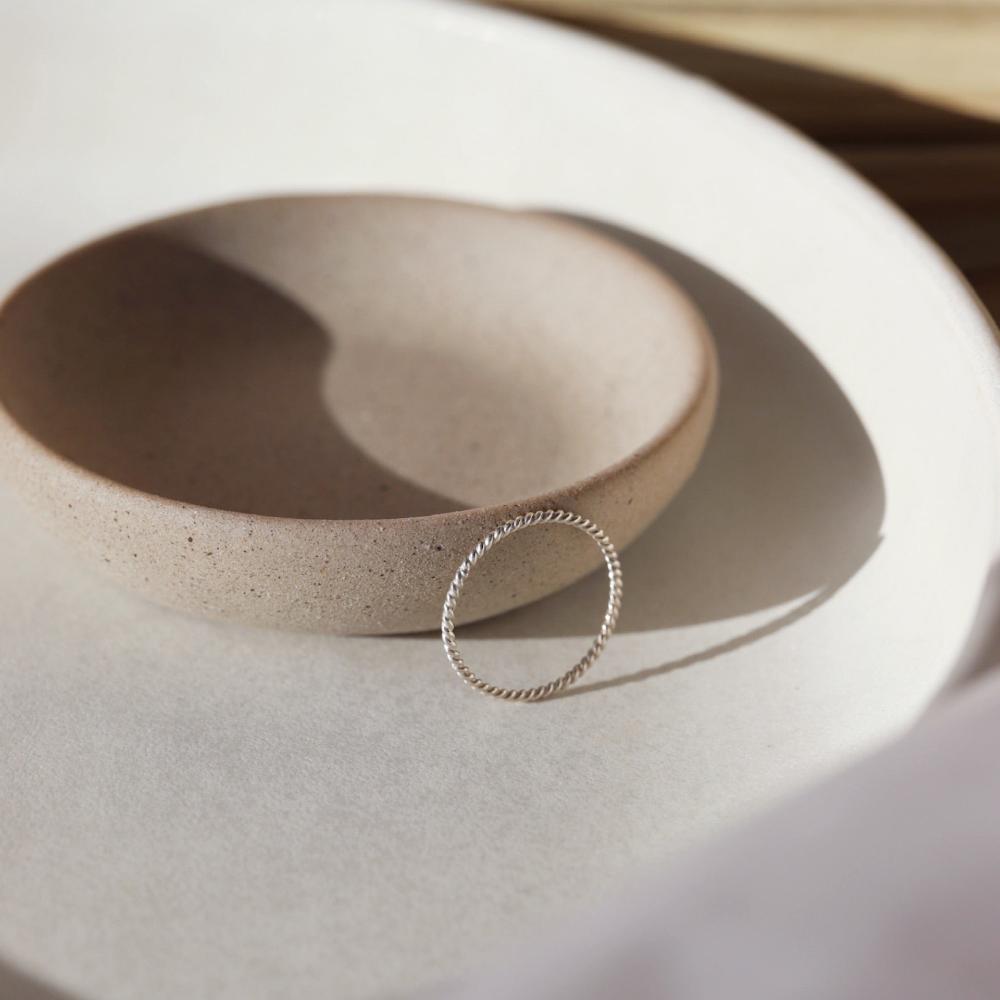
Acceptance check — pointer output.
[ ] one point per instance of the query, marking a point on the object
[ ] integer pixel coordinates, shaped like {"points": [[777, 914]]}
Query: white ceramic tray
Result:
{"points": [[192, 809]]}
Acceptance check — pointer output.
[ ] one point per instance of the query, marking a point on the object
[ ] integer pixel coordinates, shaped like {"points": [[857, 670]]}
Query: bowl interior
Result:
{"points": [[348, 357]]}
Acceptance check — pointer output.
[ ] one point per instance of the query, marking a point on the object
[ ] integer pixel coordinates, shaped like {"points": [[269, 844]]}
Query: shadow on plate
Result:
{"points": [[786, 506]]}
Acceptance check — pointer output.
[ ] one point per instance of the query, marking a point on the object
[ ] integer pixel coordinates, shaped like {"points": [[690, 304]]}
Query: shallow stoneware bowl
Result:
{"points": [[304, 411]]}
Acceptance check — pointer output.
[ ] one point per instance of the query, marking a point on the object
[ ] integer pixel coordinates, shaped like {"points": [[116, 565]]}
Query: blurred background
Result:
{"points": [[906, 91]]}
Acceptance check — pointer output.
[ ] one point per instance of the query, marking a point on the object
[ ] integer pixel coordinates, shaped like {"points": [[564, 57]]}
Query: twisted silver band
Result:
{"points": [[575, 672]]}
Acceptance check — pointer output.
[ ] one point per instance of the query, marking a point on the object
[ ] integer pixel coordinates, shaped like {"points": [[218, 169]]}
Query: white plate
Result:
{"points": [[192, 809]]}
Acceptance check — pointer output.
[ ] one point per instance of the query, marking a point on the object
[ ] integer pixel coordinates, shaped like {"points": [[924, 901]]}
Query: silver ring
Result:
{"points": [[597, 646]]}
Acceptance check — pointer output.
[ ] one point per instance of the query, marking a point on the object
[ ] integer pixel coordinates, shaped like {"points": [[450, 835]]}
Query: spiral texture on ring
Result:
{"points": [[608, 623]]}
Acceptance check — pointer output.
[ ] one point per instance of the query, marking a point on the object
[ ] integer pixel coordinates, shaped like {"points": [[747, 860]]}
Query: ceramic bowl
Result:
{"points": [[304, 411]]}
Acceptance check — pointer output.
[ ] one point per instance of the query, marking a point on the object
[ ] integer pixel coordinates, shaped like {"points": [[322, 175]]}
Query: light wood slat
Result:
{"points": [[632, 7], [832, 107], [945, 58]]}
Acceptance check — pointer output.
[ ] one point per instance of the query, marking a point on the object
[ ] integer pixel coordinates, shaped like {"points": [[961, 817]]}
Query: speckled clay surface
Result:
{"points": [[304, 411]]}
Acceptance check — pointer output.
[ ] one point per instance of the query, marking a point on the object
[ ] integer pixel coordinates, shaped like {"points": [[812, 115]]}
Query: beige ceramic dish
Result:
{"points": [[304, 411]]}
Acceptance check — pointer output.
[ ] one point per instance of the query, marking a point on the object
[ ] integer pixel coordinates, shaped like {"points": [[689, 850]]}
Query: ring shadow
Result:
{"points": [[786, 505], [16, 984]]}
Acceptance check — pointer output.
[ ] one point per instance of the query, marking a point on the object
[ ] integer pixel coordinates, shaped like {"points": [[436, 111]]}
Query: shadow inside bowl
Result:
{"points": [[317, 356], [162, 367], [786, 505]]}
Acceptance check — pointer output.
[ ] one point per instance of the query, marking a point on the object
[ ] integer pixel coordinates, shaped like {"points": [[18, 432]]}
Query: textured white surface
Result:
{"points": [[196, 810]]}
